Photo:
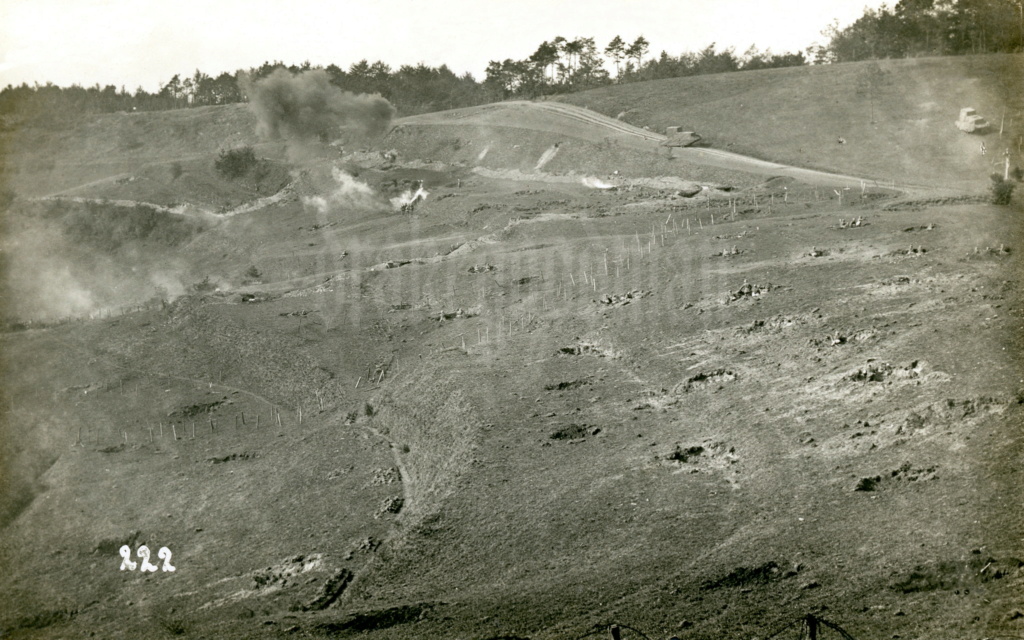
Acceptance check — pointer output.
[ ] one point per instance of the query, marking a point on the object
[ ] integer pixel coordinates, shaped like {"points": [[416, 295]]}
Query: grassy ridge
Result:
{"points": [[896, 115]]}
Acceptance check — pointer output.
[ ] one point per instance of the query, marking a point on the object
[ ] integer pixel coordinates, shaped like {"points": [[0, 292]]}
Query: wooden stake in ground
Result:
{"points": [[125, 436], [193, 430], [257, 422], [300, 415], [279, 419], [243, 417], [174, 430]]}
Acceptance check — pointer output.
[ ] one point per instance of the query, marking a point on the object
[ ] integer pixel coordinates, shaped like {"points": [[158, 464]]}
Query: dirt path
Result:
{"points": [[187, 210], [729, 160]]}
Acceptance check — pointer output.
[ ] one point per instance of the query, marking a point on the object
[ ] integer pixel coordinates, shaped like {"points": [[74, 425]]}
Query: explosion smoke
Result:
{"points": [[304, 107], [596, 183], [350, 193], [409, 198], [48, 276]]}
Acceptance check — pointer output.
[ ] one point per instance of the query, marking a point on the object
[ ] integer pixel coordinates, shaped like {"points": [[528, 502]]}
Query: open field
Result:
{"points": [[584, 382]]}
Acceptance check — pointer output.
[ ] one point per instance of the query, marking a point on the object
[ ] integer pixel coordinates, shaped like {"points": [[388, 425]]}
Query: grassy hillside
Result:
{"points": [[42, 161], [688, 400], [895, 115]]}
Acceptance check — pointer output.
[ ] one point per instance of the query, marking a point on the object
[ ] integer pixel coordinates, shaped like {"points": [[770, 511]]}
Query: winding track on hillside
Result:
{"points": [[572, 121]]}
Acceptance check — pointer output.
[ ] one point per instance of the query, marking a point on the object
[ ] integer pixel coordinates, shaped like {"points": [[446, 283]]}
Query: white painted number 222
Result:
{"points": [[143, 553]]}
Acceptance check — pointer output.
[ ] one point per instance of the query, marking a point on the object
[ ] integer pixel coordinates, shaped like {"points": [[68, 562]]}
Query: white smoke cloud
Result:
{"points": [[349, 193], [48, 277], [596, 183], [409, 198]]}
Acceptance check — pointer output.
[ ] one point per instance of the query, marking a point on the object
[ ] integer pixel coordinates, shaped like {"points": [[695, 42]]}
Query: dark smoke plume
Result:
{"points": [[301, 108]]}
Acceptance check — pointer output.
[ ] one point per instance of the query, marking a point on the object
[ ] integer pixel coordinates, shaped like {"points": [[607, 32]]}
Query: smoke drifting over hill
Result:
{"points": [[304, 107], [64, 259], [346, 193]]}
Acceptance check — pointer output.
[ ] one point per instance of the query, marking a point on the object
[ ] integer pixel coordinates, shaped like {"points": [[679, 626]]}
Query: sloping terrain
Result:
{"points": [[579, 384], [584, 126], [896, 116]]}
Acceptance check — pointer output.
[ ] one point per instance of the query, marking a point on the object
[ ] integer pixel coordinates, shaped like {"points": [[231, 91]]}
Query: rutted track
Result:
{"points": [[522, 115]]}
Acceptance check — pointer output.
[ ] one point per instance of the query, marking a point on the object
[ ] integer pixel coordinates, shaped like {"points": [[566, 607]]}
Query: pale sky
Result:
{"points": [[144, 42]]}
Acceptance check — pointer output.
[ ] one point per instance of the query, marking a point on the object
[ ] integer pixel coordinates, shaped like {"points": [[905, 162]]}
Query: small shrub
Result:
{"points": [[683, 455], [176, 171], [570, 432], [173, 626], [1018, 174], [368, 410], [868, 484], [252, 272], [1002, 190], [235, 163]]}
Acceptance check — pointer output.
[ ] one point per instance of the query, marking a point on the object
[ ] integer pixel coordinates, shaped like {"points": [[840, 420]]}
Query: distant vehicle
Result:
{"points": [[970, 122]]}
